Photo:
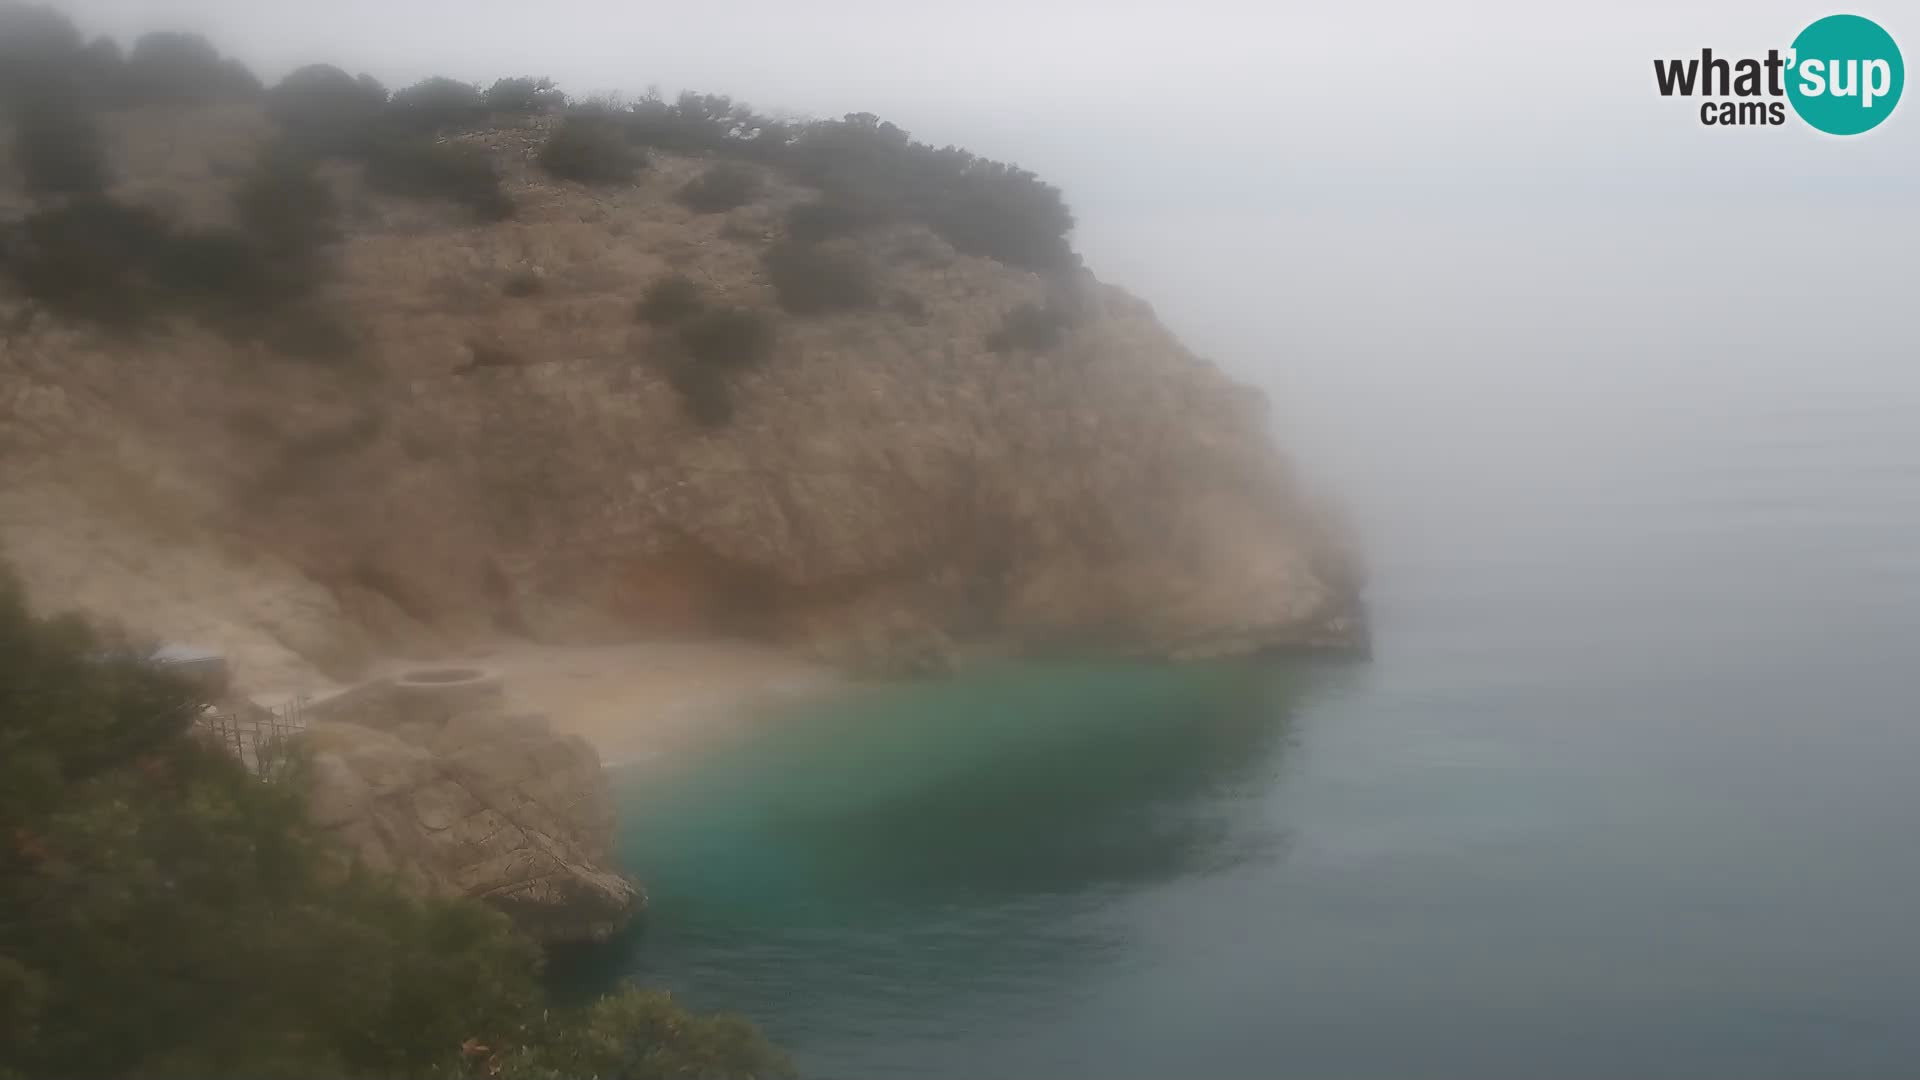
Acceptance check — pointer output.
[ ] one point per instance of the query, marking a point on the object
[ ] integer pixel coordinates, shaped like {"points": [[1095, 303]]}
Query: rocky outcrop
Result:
{"points": [[428, 780], [889, 489]]}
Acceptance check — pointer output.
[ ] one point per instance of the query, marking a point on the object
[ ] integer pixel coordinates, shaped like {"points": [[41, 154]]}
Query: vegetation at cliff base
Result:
{"points": [[165, 913]]}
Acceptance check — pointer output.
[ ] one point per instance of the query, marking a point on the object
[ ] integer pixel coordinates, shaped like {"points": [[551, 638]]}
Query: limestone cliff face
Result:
{"points": [[520, 465], [430, 782]]}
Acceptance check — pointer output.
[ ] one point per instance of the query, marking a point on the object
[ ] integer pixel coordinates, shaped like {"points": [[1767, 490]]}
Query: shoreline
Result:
{"points": [[640, 700]]}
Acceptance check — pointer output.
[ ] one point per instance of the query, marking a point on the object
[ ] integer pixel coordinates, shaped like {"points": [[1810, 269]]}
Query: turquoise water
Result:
{"points": [[1628, 788]]}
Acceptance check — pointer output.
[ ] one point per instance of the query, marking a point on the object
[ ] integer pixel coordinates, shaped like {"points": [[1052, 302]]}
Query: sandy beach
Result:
{"points": [[639, 699], [632, 700]]}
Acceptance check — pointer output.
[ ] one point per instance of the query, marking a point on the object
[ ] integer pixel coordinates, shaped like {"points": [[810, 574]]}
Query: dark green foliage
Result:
{"points": [[981, 207], [436, 104], [814, 280], [454, 171], [523, 95], [100, 72], [121, 266], [704, 123], [90, 259], [175, 68], [638, 1034], [284, 206], [823, 219], [37, 49], [728, 338], [591, 149], [57, 146], [324, 111], [705, 393], [165, 913], [718, 343], [721, 188], [669, 300], [1038, 327]]}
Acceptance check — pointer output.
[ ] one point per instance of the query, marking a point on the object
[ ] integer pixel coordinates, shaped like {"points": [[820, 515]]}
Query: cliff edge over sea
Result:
{"points": [[517, 371]]}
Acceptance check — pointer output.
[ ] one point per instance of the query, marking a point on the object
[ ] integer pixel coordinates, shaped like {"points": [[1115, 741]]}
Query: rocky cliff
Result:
{"points": [[507, 455], [428, 779]]}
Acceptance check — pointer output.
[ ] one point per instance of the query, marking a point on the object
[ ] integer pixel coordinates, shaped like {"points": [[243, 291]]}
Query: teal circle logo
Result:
{"points": [[1845, 76]]}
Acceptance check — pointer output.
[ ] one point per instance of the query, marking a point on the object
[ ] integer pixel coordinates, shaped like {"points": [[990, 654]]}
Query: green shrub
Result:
{"points": [[692, 124], [99, 73], [322, 110], [722, 187], [163, 912], [120, 266], [453, 171], [436, 104], [639, 1034], [824, 219], [704, 392], [1038, 327], [728, 338], [57, 147], [37, 48], [223, 267], [284, 206], [175, 68], [718, 343], [523, 95], [90, 259], [981, 207], [814, 280], [669, 300], [592, 150]]}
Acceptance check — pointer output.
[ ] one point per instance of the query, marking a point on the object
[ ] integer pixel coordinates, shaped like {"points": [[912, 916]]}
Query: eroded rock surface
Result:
{"points": [[439, 788], [889, 486]]}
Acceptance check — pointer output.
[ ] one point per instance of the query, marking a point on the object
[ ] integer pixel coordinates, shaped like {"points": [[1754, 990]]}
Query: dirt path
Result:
{"points": [[631, 701]]}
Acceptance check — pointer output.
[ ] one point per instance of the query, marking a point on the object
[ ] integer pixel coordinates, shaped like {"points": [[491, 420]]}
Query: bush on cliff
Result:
{"points": [[89, 259], [436, 104], [185, 69], [57, 147], [523, 95], [423, 168], [669, 300], [723, 187], [728, 338], [591, 149], [165, 913], [323, 110], [816, 279], [1037, 327], [37, 49], [284, 206]]}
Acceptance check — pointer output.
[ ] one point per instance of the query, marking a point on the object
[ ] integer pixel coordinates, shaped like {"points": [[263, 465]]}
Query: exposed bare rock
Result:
{"points": [[431, 783], [888, 485]]}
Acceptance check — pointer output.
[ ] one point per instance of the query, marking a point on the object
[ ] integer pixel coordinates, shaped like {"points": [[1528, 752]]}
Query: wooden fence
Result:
{"points": [[258, 736]]}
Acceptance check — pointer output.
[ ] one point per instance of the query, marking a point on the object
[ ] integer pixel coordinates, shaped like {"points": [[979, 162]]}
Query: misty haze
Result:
{"points": [[855, 540]]}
